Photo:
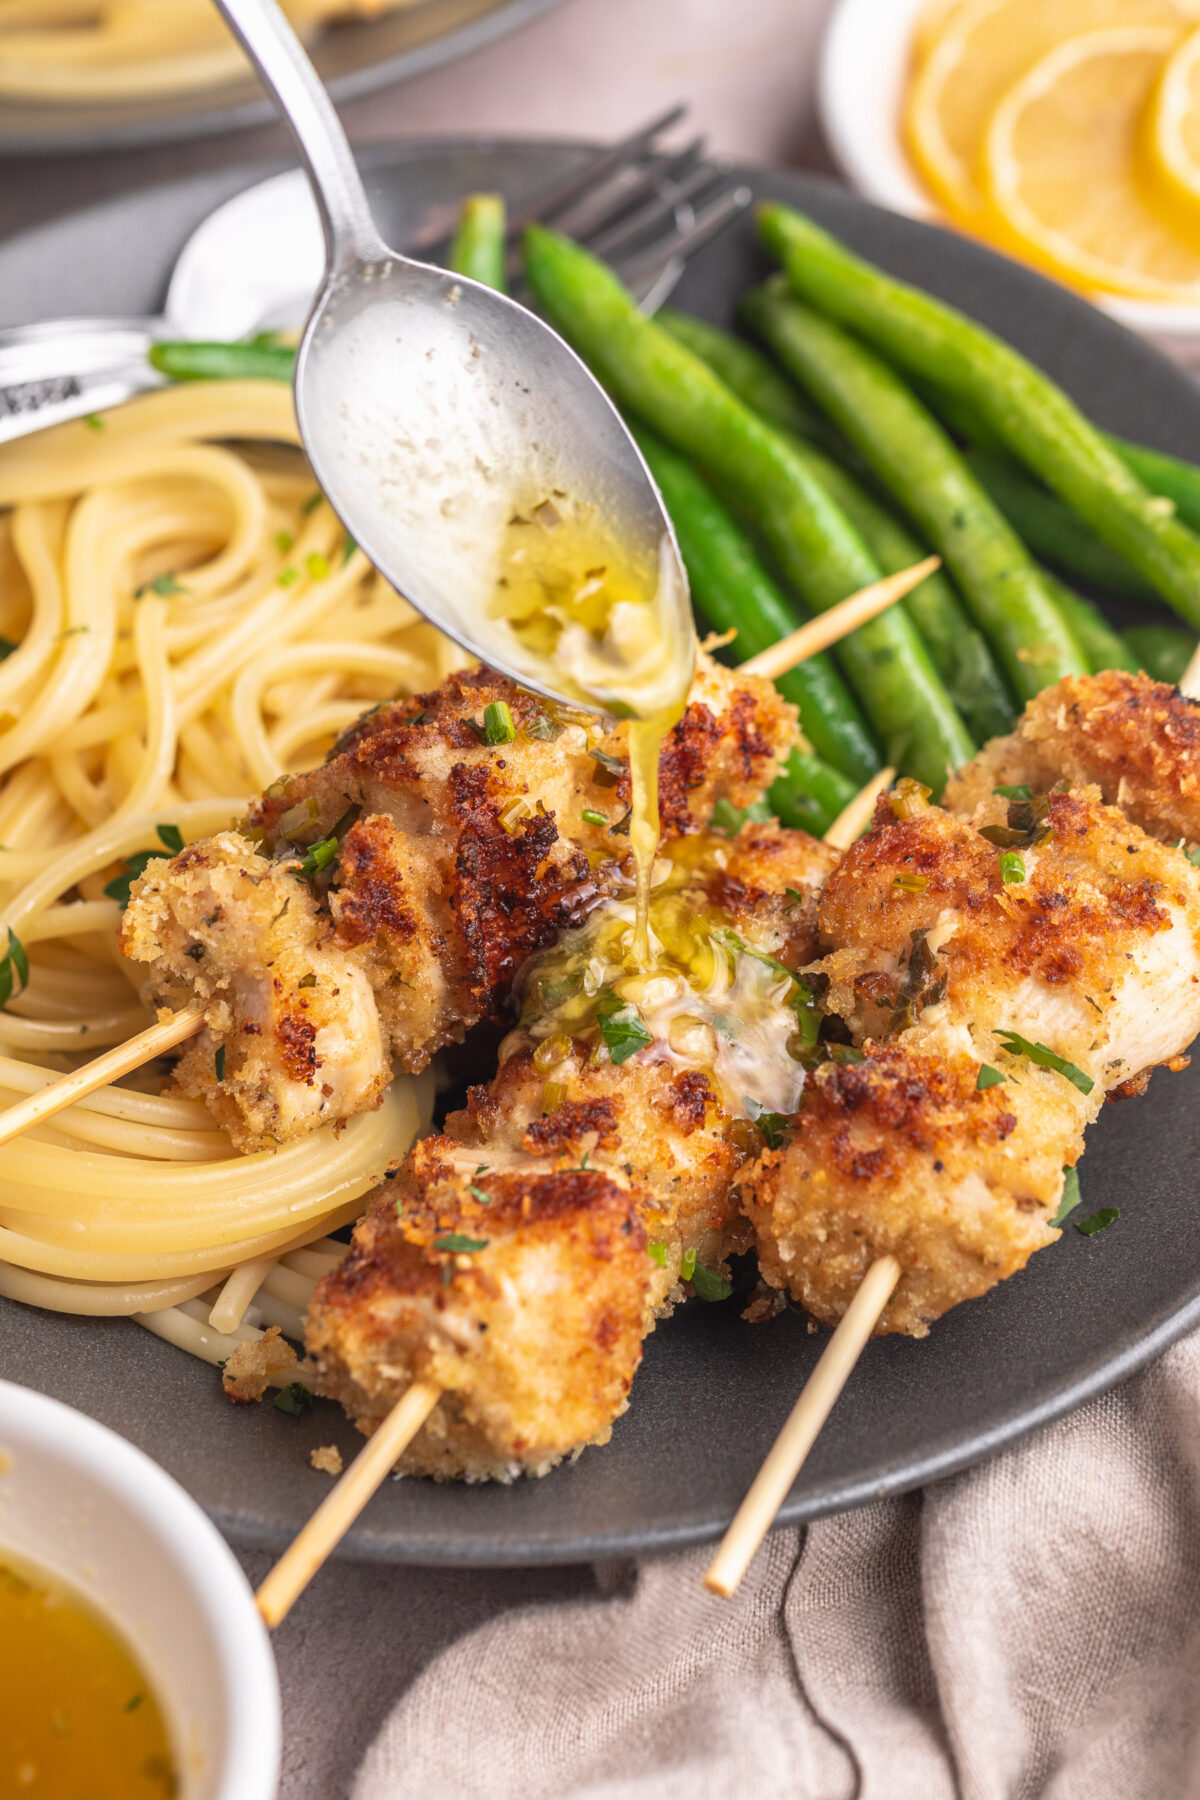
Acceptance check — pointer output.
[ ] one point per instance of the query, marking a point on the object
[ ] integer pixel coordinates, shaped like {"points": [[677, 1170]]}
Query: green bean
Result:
{"points": [[809, 795], [1103, 647], [747, 373], [915, 459], [258, 359], [1051, 530], [478, 247], [958, 651], [1162, 650], [1036, 420], [1168, 475], [818, 552], [733, 591]]}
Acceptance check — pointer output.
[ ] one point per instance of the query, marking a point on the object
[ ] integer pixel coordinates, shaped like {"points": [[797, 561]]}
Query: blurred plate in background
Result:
{"points": [[353, 58]]}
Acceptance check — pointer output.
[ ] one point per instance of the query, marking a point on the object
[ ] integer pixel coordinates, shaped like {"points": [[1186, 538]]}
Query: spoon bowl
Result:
{"points": [[436, 412]]}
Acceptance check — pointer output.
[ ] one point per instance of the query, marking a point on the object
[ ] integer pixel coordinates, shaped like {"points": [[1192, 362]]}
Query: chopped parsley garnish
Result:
{"points": [[845, 1054], [7, 646], [284, 541], [709, 1285], [1099, 1221], [288, 577], [987, 1078], [1193, 856], [592, 817], [541, 725], [134, 1701], [162, 585], [348, 549], [484, 1199], [14, 967], [1012, 867], [771, 1124], [311, 504], [609, 769], [1016, 1045], [1020, 791], [219, 1063], [294, 1399], [317, 565], [728, 818], [120, 886], [498, 727], [93, 421], [621, 1026], [318, 856], [460, 1245], [657, 1253], [794, 895], [1071, 1196]]}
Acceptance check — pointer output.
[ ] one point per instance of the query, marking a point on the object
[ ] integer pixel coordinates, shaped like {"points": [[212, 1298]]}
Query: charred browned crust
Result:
{"points": [[572, 1124]]}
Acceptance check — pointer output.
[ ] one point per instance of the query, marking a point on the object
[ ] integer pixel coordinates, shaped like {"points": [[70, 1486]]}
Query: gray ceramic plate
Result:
{"points": [[353, 58], [712, 1391]]}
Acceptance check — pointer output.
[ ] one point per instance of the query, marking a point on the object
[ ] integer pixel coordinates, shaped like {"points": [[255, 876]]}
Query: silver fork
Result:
{"points": [[642, 207]]}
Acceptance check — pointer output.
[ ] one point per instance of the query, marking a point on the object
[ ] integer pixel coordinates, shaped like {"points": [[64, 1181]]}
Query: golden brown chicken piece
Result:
{"points": [[523, 1293], [668, 1122], [902, 1154], [1135, 739], [441, 863], [1052, 968]]}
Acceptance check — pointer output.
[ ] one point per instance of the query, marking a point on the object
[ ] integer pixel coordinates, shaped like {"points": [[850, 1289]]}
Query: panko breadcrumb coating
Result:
{"points": [[448, 863], [1135, 739], [253, 1365]]}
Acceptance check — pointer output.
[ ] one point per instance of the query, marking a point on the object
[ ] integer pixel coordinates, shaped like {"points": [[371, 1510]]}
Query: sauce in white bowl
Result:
{"points": [[88, 1517]]}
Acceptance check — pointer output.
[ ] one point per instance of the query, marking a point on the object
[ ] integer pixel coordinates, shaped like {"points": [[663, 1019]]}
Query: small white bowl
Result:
{"points": [[79, 1501], [860, 92]]}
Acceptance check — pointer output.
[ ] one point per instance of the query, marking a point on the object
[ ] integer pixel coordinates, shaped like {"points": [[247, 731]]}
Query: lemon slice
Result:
{"points": [[1173, 127], [1060, 165], [983, 48]]}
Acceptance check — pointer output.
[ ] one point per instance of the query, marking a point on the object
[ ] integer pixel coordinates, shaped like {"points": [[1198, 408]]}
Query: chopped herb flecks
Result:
{"points": [[1019, 792], [987, 1078], [483, 1198], [657, 1253], [219, 1063], [621, 1027], [14, 969], [1016, 1045], [729, 819], [1071, 1196], [592, 817], [1099, 1221], [163, 585], [498, 727], [709, 1285], [1012, 867], [461, 1246], [294, 1399]]}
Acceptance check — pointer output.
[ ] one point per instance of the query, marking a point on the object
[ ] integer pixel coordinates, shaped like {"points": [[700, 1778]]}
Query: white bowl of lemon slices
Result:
{"points": [[1064, 132]]}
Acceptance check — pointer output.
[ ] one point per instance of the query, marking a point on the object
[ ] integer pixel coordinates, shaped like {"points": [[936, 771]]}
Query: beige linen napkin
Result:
{"points": [[1030, 1628]]}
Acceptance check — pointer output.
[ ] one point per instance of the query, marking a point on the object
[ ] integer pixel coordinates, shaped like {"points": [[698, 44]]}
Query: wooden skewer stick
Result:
{"points": [[339, 1509], [818, 634], [854, 818], [828, 627], [99, 1073], [769, 1490], [1189, 682]]}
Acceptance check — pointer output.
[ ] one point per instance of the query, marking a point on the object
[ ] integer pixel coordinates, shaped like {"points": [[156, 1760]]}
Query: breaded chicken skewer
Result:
{"points": [[512, 1267], [408, 879], [1039, 950]]}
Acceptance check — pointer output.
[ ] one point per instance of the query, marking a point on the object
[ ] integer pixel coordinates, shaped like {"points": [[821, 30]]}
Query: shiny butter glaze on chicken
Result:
{"points": [[454, 861], [663, 1124]]}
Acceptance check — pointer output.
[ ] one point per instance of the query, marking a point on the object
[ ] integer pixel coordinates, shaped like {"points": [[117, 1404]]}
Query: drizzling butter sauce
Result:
{"points": [[609, 624]]}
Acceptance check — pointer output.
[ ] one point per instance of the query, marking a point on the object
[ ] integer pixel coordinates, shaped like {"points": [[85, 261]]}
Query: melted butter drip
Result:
{"points": [[701, 996], [610, 625]]}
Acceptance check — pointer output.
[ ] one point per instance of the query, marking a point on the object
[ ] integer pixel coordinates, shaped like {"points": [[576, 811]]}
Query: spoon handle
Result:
{"points": [[299, 94]]}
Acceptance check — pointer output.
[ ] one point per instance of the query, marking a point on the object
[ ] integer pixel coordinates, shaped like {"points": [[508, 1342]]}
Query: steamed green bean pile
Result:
{"points": [[854, 425]]}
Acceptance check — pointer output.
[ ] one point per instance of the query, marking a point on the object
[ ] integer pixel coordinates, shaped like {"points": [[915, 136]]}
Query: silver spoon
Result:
{"points": [[432, 408]]}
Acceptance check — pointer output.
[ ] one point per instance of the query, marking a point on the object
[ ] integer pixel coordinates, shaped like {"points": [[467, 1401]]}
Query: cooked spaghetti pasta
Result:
{"points": [[182, 619], [98, 50]]}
